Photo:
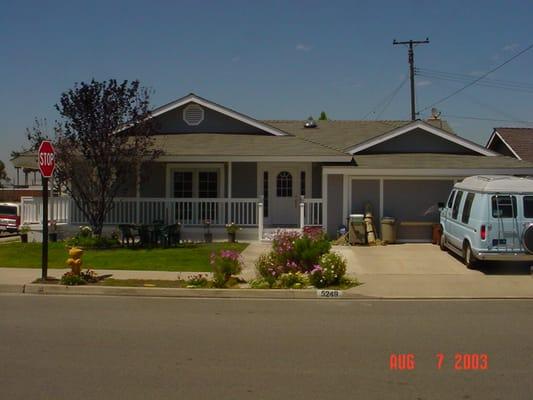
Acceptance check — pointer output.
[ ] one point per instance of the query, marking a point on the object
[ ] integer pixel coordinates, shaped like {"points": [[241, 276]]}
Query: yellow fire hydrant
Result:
{"points": [[74, 261]]}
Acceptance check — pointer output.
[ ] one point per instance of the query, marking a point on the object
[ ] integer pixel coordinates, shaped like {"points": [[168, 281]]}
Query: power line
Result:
{"points": [[392, 96], [388, 98], [411, 59], [451, 116], [470, 77], [478, 79]]}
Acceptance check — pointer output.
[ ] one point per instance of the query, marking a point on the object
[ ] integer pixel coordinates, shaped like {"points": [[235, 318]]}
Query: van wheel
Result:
{"points": [[442, 242], [469, 258]]}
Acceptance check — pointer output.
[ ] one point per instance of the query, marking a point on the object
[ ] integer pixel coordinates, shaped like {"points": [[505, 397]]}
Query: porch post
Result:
{"points": [[137, 193], [230, 193], [324, 200], [302, 212], [260, 219]]}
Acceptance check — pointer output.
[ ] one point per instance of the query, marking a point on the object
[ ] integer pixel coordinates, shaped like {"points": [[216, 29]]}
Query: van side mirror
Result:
{"points": [[441, 205]]}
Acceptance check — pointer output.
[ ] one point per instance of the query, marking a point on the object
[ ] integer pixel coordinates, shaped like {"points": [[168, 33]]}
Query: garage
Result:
{"points": [[363, 192], [414, 204]]}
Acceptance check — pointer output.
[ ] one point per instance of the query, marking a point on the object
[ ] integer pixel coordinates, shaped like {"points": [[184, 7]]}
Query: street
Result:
{"points": [[77, 347]]}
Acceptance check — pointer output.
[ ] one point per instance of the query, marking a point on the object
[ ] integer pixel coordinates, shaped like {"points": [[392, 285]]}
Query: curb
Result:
{"points": [[11, 288], [178, 292]]}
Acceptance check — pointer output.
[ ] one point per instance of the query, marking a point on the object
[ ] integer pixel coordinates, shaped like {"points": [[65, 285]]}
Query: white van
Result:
{"points": [[489, 218]]}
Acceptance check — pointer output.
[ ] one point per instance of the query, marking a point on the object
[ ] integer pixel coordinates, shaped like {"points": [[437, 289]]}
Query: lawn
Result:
{"points": [[188, 257]]}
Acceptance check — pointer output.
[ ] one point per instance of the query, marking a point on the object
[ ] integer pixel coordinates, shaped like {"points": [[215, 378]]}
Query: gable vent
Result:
{"points": [[193, 114]]}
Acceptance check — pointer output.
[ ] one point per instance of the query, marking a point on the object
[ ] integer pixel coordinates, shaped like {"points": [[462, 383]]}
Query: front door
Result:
{"points": [[284, 196]]}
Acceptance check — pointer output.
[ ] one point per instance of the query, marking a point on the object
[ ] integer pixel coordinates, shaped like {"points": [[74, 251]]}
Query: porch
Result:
{"points": [[192, 213]]}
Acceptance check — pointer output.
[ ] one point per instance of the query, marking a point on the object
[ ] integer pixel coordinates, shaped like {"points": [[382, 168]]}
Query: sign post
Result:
{"points": [[47, 165]]}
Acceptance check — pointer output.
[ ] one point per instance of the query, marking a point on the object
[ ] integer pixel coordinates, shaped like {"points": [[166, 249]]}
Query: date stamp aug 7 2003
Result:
{"points": [[461, 361]]}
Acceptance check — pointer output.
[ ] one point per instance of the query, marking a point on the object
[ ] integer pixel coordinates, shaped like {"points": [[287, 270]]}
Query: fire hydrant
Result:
{"points": [[74, 262]]}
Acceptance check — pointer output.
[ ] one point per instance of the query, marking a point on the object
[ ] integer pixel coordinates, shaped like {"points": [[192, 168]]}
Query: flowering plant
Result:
{"points": [[225, 264], [86, 231], [329, 271], [232, 228]]}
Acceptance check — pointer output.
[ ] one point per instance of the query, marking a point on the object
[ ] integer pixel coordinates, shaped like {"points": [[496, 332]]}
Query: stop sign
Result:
{"points": [[47, 161]]}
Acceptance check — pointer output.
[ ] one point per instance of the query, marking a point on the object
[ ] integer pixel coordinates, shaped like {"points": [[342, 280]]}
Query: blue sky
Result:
{"points": [[270, 60]]}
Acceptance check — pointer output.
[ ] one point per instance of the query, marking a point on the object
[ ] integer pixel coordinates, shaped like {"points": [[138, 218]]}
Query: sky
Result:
{"points": [[269, 59]]}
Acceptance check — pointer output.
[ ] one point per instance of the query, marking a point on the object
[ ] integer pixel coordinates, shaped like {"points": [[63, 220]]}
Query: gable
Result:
{"points": [[500, 147], [204, 116], [418, 141], [212, 121], [419, 137]]}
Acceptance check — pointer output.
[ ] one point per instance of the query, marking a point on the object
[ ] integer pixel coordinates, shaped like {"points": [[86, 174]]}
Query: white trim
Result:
{"points": [[195, 168], [324, 200], [428, 128], [381, 197], [345, 197], [496, 133], [424, 172], [230, 177], [192, 98], [252, 158]]}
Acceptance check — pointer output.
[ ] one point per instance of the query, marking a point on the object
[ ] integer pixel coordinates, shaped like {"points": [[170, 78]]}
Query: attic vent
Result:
{"points": [[310, 123], [193, 114]]}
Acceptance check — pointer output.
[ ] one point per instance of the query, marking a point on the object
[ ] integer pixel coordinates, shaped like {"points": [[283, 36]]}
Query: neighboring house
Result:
{"points": [[512, 142], [221, 165]]}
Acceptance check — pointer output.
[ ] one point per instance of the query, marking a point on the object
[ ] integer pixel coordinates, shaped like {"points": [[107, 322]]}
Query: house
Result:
{"points": [[512, 142], [224, 166]]}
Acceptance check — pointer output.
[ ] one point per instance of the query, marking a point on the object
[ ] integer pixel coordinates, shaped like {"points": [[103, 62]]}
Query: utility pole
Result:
{"points": [[411, 44]]}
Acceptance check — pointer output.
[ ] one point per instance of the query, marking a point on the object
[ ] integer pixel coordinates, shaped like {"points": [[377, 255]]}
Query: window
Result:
{"points": [[467, 207], [207, 185], [455, 210], [450, 200], [302, 183], [504, 206], [528, 206], [8, 210], [284, 184], [265, 194], [182, 184]]}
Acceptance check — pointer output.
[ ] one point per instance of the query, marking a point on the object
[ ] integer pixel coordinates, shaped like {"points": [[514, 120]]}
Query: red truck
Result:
{"points": [[9, 217]]}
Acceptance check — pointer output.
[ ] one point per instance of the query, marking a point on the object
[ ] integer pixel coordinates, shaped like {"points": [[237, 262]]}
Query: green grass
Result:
{"points": [[193, 257]]}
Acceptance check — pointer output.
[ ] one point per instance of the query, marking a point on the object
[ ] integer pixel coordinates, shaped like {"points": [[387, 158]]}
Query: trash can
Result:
{"points": [[357, 230], [388, 230], [436, 233]]}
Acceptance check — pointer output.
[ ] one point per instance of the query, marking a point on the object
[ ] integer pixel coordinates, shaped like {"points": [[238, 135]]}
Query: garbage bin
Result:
{"points": [[388, 230], [436, 233], [357, 229]]}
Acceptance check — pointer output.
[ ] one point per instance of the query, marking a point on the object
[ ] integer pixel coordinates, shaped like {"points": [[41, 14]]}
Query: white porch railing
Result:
{"points": [[128, 210], [312, 211], [31, 209]]}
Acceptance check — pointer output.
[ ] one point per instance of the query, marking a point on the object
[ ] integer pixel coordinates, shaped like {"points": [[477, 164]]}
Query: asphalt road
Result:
{"points": [[54, 347]]}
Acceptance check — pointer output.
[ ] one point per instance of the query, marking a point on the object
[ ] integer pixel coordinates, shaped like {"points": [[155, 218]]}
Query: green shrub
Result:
{"points": [[95, 242], [261, 283], [308, 250], [225, 264], [294, 280], [71, 279], [198, 280], [329, 271]]}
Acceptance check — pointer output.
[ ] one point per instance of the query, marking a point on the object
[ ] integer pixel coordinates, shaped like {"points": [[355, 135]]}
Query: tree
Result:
{"points": [[102, 137], [323, 116], [3, 174]]}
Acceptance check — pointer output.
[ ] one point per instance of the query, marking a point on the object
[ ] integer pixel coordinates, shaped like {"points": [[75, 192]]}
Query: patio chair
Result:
{"points": [[127, 234], [145, 236], [170, 235]]}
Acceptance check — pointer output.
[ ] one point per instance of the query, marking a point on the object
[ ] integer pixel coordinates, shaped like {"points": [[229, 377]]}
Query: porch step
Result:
{"points": [[269, 233]]}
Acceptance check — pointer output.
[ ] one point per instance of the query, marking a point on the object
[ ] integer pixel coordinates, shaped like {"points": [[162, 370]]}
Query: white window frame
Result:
{"points": [[195, 169]]}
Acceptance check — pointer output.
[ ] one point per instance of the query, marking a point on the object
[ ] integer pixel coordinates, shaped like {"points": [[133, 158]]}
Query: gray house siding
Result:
{"points": [[153, 178], [244, 180], [316, 182], [417, 141], [334, 204], [214, 122]]}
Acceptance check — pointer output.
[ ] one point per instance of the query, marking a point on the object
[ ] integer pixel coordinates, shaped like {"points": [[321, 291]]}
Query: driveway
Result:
{"points": [[402, 259]]}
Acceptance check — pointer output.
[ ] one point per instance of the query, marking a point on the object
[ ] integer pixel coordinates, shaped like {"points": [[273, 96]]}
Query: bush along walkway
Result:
{"points": [[301, 260]]}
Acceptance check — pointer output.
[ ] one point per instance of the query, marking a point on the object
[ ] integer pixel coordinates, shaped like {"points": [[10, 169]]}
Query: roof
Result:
{"points": [[343, 134], [518, 140], [496, 184], [440, 161], [240, 145]]}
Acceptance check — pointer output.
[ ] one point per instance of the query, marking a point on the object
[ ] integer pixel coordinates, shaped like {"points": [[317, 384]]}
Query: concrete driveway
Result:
{"points": [[402, 259]]}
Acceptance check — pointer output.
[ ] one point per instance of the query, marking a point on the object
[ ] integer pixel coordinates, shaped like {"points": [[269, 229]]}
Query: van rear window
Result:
{"points": [[455, 210], [504, 206], [467, 207], [8, 210], [528, 206]]}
